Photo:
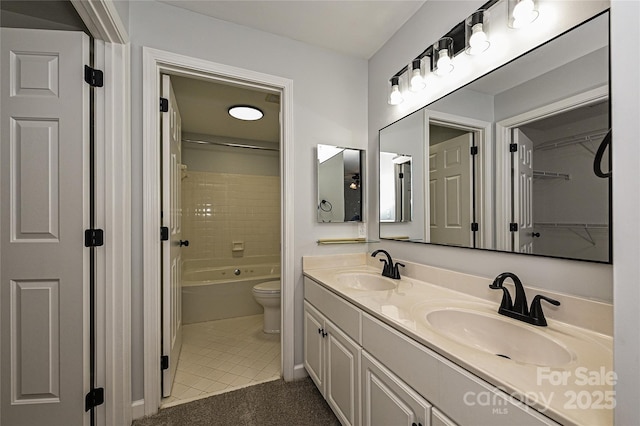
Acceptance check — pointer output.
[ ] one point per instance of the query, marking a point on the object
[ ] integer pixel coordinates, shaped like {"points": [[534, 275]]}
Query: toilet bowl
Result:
{"points": [[268, 295]]}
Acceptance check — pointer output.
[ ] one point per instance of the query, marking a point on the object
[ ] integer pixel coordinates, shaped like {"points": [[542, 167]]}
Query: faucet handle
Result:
{"points": [[506, 303], [396, 271], [386, 269], [537, 315]]}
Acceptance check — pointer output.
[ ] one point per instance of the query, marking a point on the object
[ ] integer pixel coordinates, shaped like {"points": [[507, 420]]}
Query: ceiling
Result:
{"points": [[204, 109], [355, 27]]}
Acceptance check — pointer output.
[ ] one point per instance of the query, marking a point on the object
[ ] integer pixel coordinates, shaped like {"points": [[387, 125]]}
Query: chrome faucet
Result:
{"points": [[389, 269], [518, 309]]}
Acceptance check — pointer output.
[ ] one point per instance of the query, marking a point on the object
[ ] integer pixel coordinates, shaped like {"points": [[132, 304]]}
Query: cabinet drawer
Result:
{"points": [[342, 313], [452, 389], [403, 356]]}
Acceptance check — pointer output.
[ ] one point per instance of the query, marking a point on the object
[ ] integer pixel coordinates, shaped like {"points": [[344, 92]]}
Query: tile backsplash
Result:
{"points": [[223, 211]]}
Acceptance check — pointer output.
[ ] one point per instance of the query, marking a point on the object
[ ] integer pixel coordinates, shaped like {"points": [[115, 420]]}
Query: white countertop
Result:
{"points": [[578, 392]]}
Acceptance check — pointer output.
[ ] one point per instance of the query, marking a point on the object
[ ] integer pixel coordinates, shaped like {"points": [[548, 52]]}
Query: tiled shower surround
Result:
{"points": [[221, 211]]}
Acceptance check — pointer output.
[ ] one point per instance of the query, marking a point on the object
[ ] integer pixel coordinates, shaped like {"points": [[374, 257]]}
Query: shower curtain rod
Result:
{"points": [[230, 144]]}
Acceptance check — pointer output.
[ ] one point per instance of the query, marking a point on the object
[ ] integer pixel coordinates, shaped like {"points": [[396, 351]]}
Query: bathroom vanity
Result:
{"points": [[414, 351]]}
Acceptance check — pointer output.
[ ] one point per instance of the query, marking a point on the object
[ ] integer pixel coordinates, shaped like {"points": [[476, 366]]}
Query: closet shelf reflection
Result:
{"points": [[571, 225], [550, 175], [575, 227], [581, 139]]}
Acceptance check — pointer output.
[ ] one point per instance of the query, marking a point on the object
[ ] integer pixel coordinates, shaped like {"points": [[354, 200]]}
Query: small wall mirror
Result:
{"points": [[340, 184], [507, 162]]}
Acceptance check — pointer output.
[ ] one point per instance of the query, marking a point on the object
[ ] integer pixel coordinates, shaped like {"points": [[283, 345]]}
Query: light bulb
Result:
{"points": [[417, 82], [478, 41], [395, 97], [524, 13], [444, 65]]}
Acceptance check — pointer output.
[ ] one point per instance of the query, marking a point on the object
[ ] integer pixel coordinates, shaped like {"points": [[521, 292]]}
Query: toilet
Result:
{"points": [[268, 295]]}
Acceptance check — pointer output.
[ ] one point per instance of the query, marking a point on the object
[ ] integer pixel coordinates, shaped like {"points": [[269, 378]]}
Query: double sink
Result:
{"points": [[473, 325]]}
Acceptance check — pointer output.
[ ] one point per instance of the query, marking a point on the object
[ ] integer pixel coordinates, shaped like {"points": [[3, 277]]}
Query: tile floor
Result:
{"points": [[219, 356]]}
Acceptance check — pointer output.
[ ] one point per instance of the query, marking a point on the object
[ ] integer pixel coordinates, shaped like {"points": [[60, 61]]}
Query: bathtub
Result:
{"points": [[220, 292]]}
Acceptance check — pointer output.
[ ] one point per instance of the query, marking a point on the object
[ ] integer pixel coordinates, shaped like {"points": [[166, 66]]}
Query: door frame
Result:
{"points": [[112, 164], [503, 156], [483, 131], [155, 62]]}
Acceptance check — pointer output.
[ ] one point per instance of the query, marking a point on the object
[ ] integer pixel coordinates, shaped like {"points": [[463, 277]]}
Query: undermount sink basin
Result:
{"points": [[365, 281], [501, 337]]}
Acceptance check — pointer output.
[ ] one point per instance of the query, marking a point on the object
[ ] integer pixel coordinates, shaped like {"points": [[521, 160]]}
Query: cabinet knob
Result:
{"points": [[324, 334], [319, 331], [184, 243]]}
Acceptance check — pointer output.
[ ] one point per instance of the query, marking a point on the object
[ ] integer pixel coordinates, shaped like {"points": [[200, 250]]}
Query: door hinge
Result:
{"points": [[513, 147], [93, 237], [164, 233], [94, 77], [164, 362], [164, 105], [474, 150], [94, 398], [513, 227], [474, 227]]}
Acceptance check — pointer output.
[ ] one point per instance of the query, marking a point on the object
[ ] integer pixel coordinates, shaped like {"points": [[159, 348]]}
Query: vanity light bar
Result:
{"points": [[469, 35]]}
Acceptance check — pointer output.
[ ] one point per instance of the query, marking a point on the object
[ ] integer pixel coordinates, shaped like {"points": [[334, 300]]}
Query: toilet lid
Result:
{"points": [[267, 287]]}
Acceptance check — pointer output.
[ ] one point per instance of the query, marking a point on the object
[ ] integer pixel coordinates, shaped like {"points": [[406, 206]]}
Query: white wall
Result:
{"points": [[625, 68], [330, 104]]}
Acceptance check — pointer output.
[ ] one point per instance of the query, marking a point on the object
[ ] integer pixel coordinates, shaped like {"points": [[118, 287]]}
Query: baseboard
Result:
{"points": [[299, 372], [137, 409]]}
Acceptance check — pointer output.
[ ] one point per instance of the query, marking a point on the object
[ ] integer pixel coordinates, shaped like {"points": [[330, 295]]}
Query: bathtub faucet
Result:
{"points": [[390, 269]]}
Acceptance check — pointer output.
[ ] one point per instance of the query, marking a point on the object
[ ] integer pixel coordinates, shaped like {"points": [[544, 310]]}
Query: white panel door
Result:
{"points": [[523, 192], [171, 249], [450, 184], [44, 211]]}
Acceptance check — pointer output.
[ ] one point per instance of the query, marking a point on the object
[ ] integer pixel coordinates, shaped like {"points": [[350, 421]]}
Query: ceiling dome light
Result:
{"points": [[395, 97], [476, 33], [245, 112], [416, 83], [523, 13]]}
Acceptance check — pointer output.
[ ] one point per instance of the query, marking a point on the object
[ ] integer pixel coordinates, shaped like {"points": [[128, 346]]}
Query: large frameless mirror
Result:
{"points": [[507, 162], [339, 184]]}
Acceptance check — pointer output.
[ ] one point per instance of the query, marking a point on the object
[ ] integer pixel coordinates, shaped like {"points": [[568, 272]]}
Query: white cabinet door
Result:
{"points": [[439, 419], [313, 345], [332, 359], [44, 284], [387, 400], [343, 372]]}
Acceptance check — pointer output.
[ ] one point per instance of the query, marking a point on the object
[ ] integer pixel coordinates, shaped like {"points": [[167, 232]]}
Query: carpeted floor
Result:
{"points": [[275, 403]]}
